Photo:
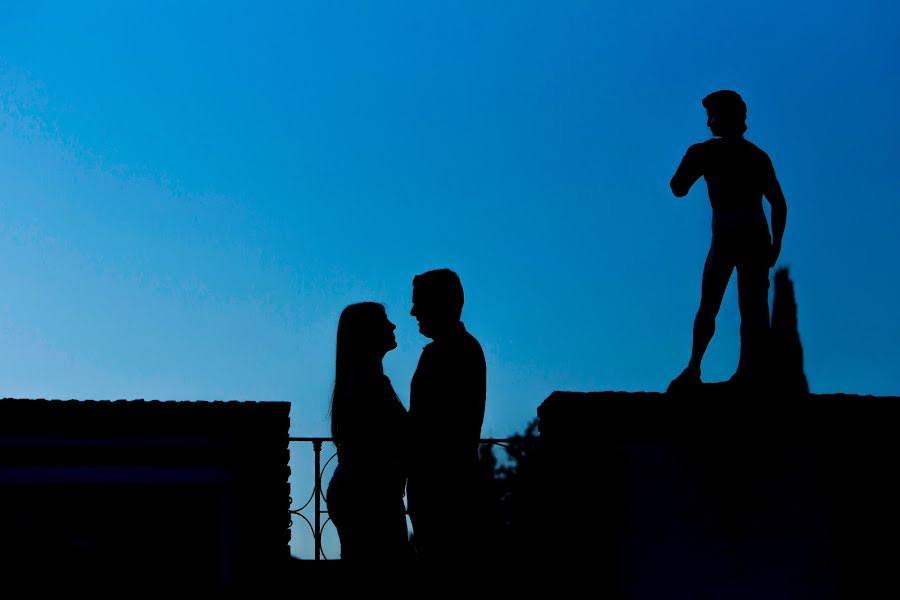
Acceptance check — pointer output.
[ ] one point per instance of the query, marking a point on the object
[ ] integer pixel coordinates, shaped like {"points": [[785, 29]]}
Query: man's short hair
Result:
{"points": [[725, 103], [441, 288], [728, 108]]}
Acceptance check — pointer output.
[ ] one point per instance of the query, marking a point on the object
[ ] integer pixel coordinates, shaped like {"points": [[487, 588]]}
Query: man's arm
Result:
{"points": [[688, 172], [776, 199]]}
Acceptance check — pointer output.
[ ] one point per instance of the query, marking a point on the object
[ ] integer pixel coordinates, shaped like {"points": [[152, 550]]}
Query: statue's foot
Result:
{"points": [[747, 380], [739, 378], [688, 379]]}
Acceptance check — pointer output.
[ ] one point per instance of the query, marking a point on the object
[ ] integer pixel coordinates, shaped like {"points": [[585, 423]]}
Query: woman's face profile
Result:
{"points": [[385, 333]]}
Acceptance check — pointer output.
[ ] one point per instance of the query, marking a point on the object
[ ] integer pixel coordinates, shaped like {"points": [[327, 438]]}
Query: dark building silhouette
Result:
{"points": [[722, 495], [135, 497]]}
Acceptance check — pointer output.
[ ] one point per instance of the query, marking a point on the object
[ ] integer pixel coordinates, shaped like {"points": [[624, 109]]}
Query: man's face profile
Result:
{"points": [[423, 311]]}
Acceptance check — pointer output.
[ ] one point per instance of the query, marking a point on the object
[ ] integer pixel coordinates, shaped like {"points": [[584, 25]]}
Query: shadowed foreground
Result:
{"points": [[132, 496], [709, 492], [718, 494]]}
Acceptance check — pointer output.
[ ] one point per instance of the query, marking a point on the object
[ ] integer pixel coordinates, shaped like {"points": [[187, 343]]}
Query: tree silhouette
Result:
{"points": [[515, 494], [787, 352]]}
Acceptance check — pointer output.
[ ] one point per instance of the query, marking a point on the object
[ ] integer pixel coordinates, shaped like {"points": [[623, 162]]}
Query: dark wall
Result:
{"points": [[717, 494], [142, 496]]}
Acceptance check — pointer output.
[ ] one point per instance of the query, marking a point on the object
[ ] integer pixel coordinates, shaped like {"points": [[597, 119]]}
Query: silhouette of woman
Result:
{"points": [[368, 424]]}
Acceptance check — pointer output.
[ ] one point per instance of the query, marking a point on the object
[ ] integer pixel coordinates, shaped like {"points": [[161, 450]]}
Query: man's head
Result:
{"points": [[437, 301], [726, 113]]}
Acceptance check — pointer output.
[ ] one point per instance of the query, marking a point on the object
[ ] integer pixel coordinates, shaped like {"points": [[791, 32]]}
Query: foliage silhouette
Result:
{"points": [[517, 494]]}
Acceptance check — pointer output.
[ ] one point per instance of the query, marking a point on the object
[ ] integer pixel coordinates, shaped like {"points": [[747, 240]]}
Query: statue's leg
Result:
{"points": [[716, 273], [753, 301]]}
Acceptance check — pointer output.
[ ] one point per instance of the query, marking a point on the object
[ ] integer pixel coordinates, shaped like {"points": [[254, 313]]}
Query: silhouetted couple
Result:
{"points": [[434, 445], [738, 175]]}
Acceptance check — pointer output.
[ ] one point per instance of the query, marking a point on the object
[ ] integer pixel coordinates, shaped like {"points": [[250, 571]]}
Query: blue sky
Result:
{"points": [[192, 191]]}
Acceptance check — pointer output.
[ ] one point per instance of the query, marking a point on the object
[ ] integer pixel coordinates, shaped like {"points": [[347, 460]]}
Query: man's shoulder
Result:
{"points": [[699, 147], [468, 337], [754, 148], [700, 150], [474, 351], [429, 349], [465, 344], [735, 148]]}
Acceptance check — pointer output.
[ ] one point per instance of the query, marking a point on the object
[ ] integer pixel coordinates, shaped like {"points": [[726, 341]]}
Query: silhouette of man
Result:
{"points": [[738, 175], [446, 411]]}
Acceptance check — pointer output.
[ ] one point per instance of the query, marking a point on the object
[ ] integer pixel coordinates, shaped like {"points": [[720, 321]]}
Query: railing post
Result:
{"points": [[317, 531]]}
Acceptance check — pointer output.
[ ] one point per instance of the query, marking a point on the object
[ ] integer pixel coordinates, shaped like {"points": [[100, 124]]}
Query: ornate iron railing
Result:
{"points": [[316, 503]]}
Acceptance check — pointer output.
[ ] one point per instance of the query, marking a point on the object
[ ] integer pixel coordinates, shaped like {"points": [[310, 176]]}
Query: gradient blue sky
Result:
{"points": [[190, 192]]}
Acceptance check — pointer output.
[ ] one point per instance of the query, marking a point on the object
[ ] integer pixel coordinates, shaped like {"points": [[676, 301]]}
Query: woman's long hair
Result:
{"points": [[357, 336]]}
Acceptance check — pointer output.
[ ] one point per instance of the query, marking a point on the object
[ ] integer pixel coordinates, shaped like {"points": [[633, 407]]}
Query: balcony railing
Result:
{"points": [[314, 509]]}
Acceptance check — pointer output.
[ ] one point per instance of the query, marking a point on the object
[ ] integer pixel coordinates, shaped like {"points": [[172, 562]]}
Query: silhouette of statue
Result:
{"points": [[446, 410], [738, 175], [368, 424]]}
